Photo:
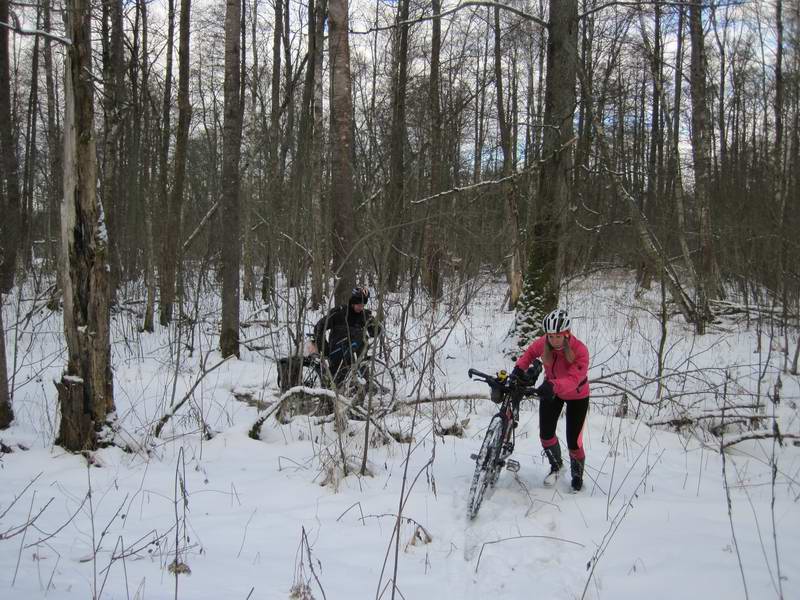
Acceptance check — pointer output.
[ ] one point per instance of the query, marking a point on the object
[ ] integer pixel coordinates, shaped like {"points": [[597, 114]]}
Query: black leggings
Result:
{"points": [[550, 410]]}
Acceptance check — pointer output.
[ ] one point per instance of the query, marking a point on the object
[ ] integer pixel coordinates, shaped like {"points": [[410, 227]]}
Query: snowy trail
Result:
{"points": [[652, 520]]}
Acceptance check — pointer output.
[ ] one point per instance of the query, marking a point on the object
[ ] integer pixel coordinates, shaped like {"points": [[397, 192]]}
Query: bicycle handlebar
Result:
{"points": [[495, 382]]}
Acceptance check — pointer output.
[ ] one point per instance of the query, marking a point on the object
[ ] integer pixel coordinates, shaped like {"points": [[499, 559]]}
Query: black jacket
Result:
{"points": [[344, 324]]}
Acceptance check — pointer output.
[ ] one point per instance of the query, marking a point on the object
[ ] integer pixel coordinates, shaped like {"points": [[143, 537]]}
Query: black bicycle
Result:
{"points": [[368, 380], [498, 443]]}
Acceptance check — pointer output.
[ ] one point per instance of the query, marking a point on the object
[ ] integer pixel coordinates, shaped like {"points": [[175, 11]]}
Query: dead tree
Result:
{"points": [[85, 391]]}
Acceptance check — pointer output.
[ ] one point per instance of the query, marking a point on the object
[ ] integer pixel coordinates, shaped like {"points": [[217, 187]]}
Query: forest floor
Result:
{"points": [[205, 511]]}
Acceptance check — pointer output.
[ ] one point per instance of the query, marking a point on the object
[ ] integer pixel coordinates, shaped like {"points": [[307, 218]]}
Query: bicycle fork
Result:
{"points": [[508, 447]]}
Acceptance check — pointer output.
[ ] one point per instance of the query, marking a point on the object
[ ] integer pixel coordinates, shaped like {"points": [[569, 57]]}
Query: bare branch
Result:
{"points": [[460, 6], [18, 29], [761, 434]]}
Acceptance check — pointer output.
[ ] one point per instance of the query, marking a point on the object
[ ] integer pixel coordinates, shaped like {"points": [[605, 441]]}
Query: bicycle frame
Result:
{"points": [[498, 443]]}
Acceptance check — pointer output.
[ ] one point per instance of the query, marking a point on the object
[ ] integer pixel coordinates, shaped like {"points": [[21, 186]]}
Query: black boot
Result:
{"points": [[553, 454], [576, 470]]}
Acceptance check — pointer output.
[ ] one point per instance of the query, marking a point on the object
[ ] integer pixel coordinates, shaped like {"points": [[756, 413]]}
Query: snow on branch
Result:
{"points": [[761, 434], [19, 30]]}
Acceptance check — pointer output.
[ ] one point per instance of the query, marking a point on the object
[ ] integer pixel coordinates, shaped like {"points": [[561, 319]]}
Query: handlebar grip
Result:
{"points": [[476, 373]]}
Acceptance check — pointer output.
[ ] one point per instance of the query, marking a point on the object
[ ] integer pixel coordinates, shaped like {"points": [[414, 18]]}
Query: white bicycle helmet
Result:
{"points": [[556, 322]]}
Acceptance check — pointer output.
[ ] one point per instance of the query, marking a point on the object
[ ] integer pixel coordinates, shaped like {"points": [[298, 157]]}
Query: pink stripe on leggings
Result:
{"points": [[579, 454], [551, 442]]}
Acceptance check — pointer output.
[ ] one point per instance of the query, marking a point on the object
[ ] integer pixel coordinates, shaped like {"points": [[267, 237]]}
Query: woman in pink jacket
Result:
{"points": [[566, 365]]}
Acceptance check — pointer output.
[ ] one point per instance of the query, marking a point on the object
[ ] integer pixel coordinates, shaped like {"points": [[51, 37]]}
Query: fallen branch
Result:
{"points": [[293, 393], [761, 434], [685, 420], [171, 412]]}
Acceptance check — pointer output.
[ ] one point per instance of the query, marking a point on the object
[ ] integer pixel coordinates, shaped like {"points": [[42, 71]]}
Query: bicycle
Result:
{"points": [[367, 378], [498, 443]]}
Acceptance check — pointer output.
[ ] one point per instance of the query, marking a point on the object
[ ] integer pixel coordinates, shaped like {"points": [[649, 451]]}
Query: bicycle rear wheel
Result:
{"points": [[487, 467], [374, 381]]}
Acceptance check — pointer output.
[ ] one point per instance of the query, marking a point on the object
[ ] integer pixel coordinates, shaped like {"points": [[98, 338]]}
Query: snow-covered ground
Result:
{"points": [[251, 518]]}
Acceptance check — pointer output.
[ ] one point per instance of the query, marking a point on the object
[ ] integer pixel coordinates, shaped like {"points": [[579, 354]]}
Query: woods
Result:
{"points": [[413, 149], [194, 194]]}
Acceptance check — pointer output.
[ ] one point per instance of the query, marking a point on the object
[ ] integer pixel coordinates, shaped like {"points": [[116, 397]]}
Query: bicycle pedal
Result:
{"points": [[512, 465]]}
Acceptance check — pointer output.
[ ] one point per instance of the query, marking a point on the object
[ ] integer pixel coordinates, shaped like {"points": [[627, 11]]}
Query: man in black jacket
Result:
{"points": [[347, 325]]}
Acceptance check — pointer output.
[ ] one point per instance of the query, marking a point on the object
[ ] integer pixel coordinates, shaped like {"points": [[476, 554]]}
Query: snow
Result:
{"points": [[243, 514]]}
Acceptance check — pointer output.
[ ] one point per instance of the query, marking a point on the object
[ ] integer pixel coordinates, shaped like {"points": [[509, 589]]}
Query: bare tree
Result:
{"points": [[158, 226], [514, 271], [112, 194], [6, 411], [701, 154], [54, 184], [85, 391], [395, 190], [231, 152], [341, 149], [555, 173], [10, 201], [172, 234], [10, 206], [432, 243]]}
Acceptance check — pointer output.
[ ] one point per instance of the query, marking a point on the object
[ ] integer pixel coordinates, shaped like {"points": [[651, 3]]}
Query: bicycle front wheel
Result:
{"points": [[487, 467]]}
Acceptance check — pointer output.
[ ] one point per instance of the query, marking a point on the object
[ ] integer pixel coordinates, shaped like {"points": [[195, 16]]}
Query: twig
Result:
{"points": [[171, 412], [730, 505], [22, 543], [522, 537], [614, 526]]}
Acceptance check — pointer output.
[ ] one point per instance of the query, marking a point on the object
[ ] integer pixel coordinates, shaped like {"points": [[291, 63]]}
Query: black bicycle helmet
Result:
{"points": [[359, 295]]}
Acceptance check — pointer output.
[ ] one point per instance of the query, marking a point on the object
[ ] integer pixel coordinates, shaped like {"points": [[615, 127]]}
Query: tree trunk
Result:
{"points": [[6, 411], [343, 237], [146, 183], [554, 178], [779, 178], [160, 230], [85, 390], [54, 184], [395, 193], [432, 230], [113, 195], [171, 239], [514, 271], [701, 153], [319, 247], [231, 149], [31, 155], [10, 223]]}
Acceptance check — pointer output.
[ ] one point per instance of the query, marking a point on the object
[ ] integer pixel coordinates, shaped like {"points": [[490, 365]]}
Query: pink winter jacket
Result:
{"points": [[570, 380]]}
